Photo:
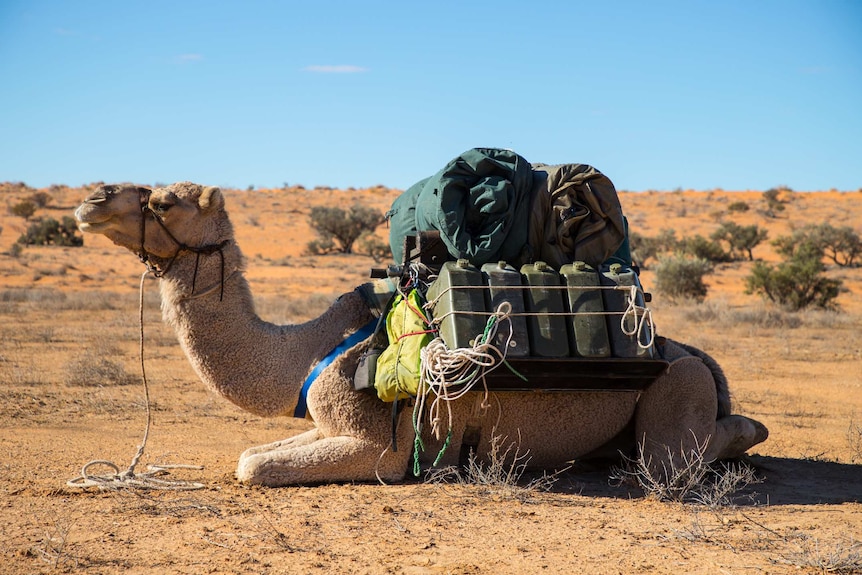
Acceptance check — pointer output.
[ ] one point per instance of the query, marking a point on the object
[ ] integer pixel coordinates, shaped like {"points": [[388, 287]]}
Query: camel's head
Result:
{"points": [[156, 222]]}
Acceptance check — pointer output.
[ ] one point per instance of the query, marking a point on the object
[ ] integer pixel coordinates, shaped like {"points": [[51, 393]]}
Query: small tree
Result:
{"points": [[681, 277], [23, 209], [741, 239], [842, 245], [774, 204], [41, 199], [338, 229], [796, 283]]}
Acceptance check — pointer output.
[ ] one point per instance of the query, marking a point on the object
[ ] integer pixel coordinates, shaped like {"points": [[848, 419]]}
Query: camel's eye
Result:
{"points": [[161, 208]]}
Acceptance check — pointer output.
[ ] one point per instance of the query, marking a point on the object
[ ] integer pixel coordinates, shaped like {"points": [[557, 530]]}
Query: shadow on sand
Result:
{"points": [[786, 481]]}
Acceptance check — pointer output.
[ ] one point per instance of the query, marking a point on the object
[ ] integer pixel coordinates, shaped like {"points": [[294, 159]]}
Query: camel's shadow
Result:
{"points": [[785, 481]]}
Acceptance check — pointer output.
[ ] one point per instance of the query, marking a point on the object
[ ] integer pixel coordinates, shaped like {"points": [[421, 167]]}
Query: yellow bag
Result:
{"points": [[398, 367]]}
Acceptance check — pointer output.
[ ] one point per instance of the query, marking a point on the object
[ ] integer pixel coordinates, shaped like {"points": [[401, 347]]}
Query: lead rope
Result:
{"points": [[149, 479]]}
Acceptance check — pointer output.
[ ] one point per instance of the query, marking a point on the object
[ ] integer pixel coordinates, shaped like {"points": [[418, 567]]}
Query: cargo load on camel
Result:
{"points": [[511, 276]]}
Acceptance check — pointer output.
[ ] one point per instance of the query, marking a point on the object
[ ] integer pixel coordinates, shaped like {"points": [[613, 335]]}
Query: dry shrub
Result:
{"points": [[720, 314], [844, 557], [687, 478], [56, 300], [501, 475], [854, 439], [94, 369], [53, 547]]}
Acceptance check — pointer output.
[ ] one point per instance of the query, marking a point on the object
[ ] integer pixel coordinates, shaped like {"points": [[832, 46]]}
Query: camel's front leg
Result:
{"points": [[327, 460], [736, 434], [303, 438]]}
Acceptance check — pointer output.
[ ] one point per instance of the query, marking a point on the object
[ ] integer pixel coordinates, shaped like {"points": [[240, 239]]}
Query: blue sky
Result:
{"points": [[658, 95]]}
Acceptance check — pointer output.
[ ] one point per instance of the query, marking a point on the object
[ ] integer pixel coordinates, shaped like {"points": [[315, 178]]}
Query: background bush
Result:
{"points": [[680, 277], [338, 229], [796, 283], [50, 232]]}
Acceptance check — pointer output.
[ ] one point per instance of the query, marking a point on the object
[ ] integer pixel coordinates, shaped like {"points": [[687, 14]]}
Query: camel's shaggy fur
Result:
{"points": [[261, 367]]}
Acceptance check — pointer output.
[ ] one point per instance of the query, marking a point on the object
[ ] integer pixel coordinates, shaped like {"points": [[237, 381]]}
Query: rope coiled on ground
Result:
{"points": [[152, 478]]}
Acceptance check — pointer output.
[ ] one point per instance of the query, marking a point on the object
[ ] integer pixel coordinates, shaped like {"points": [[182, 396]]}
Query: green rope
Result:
{"points": [[417, 439], [418, 444], [443, 449]]}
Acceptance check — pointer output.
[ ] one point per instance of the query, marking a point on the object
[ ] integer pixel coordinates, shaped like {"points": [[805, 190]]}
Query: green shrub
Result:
{"points": [[796, 283], [338, 229], [373, 246], [680, 277], [739, 206], [646, 248], [774, 203], [50, 232], [799, 245], [699, 247]]}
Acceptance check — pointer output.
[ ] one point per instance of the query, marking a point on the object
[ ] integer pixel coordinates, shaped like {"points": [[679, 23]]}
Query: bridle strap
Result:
{"points": [[146, 258]]}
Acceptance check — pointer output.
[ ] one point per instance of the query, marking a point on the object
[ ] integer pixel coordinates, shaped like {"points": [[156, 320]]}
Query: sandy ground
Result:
{"points": [[71, 393]]}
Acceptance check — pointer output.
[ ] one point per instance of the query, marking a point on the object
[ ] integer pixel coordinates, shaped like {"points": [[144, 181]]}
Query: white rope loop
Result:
{"points": [[641, 316]]}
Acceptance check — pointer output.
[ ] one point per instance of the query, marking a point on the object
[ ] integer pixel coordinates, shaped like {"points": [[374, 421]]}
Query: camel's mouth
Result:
{"points": [[88, 218], [92, 228]]}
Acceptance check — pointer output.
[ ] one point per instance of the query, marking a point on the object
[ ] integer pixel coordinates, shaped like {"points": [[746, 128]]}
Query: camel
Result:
{"points": [[184, 235]]}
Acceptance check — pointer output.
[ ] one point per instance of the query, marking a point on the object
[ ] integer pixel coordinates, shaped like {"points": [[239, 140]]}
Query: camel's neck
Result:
{"points": [[257, 365]]}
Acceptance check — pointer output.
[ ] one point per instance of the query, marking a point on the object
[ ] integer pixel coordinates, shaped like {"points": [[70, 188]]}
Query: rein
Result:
{"points": [[147, 258]]}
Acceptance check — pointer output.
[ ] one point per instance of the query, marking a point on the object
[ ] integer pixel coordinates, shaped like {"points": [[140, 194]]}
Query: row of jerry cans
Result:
{"points": [[576, 312]]}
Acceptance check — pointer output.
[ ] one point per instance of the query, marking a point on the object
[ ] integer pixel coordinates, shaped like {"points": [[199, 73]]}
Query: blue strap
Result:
{"points": [[363, 333]]}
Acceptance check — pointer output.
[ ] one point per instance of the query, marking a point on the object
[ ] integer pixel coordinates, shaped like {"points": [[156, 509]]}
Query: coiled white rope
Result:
{"points": [[150, 479], [449, 374]]}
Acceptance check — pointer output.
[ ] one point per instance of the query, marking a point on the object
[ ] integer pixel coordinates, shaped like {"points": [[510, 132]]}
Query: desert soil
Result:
{"points": [[70, 392]]}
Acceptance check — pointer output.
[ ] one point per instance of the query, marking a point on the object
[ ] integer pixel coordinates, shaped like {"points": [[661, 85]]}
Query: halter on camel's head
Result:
{"points": [[148, 259]]}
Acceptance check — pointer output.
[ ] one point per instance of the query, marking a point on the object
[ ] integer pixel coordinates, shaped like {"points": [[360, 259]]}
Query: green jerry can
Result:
{"points": [[588, 323], [546, 321], [459, 303], [504, 285], [620, 323]]}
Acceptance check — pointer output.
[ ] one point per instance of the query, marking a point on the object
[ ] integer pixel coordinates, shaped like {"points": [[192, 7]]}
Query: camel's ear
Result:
{"points": [[211, 199]]}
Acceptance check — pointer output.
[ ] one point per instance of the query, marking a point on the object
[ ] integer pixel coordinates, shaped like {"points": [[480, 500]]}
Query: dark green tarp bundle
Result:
{"points": [[491, 205], [479, 202]]}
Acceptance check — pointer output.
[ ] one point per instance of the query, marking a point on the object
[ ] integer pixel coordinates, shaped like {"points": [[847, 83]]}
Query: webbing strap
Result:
{"points": [[363, 333]]}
